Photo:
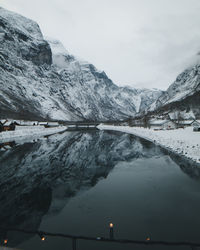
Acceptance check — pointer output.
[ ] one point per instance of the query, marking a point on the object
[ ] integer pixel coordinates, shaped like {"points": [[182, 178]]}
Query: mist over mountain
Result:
{"points": [[39, 79]]}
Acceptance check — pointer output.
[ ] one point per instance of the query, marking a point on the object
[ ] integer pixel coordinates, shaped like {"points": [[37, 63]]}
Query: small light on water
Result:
{"points": [[42, 238]]}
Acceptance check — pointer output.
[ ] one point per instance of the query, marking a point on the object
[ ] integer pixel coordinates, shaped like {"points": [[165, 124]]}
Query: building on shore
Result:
{"points": [[185, 123], [7, 125], [159, 124], [52, 124], [196, 125]]}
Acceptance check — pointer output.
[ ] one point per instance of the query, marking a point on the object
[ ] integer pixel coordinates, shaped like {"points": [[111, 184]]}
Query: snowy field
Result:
{"points": [[180, 141], [41, 131]]}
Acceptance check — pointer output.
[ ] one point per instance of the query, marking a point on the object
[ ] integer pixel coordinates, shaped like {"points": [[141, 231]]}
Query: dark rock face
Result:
{"points": [[41, 80], [183, 95], [21, 42], [39, 54]]}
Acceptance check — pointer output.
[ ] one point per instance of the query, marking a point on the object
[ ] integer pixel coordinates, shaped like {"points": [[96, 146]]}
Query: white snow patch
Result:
{"points": [[17, 128], [11, 135]]}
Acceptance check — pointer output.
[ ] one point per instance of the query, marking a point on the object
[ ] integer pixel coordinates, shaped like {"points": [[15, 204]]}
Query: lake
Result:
{"points": [[78, 182]]}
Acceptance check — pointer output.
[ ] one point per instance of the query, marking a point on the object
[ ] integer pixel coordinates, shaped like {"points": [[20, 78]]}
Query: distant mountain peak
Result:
{"points": [[183, 94]]}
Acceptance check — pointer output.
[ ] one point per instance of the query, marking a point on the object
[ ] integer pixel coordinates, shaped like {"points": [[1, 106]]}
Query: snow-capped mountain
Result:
{"points": [[40, 79], [183, 95]]}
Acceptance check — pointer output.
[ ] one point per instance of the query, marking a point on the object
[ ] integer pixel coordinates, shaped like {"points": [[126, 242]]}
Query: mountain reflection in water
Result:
{"points": [[38, 178]]}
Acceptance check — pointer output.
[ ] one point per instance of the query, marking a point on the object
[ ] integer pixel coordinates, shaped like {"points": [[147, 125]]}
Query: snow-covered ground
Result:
{"points": [[11, 135], [181, 141]]}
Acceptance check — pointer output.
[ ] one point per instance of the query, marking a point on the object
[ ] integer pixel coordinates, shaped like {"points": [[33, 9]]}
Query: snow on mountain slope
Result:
{"points": [[124, 101], [38, 80], [28, 85], [186, 89], [137, 99]]}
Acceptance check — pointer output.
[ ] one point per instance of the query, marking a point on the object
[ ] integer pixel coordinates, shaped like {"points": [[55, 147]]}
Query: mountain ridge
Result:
{"points": [[41, 80], [182, 96]]}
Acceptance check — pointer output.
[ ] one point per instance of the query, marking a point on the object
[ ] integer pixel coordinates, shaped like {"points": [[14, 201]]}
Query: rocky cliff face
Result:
{"points": [[28, 85], [40, 79], [183, 95]]}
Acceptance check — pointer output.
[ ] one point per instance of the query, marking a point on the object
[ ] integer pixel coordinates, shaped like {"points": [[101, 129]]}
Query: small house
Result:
{"points": [[52, 124], [185, 123], [9, 125], [159, 124], [169, 125], [43, 123], [196, 126], [28, 123]]}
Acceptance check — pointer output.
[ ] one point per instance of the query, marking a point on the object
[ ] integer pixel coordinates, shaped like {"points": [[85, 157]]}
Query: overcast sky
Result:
{"points": [[146, 43]]}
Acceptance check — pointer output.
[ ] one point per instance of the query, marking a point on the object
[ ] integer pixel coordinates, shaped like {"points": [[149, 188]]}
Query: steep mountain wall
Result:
{"points": [[183, 95], [41, 80]]}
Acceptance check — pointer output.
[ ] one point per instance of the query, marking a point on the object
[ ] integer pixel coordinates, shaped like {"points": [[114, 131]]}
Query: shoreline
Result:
{"points": [[182, 142], [8, 136]]}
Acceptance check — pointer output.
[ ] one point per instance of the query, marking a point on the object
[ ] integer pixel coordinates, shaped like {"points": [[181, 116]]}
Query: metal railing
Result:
{"points": [[75, 238]]}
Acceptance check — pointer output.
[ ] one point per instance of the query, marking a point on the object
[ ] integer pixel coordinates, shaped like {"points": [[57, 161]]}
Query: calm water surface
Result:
{"points": [[79, 182]]}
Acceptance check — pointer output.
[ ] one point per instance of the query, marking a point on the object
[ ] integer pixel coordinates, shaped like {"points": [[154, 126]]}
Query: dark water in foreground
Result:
{"points": [[79, 182]]}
